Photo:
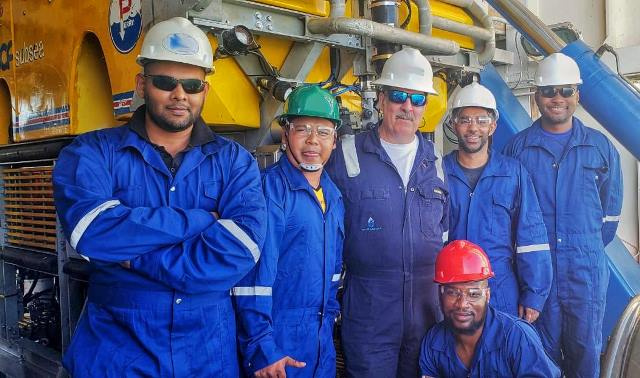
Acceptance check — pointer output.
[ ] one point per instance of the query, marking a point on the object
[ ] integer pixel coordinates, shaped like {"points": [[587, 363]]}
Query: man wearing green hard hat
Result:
{"points": [[287, 305]]}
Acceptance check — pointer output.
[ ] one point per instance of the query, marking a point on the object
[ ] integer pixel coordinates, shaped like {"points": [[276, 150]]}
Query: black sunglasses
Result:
{"points": [[168, 83], [551, 92], [399, 97]]}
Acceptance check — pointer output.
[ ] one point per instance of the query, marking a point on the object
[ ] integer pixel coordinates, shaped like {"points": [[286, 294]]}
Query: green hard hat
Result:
{"points": [[311, 101]]}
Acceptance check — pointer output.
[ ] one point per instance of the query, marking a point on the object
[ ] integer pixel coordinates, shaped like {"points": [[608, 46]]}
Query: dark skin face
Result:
{"points": [[556, 112], [461, 315], [474, 138], [172, 111]]}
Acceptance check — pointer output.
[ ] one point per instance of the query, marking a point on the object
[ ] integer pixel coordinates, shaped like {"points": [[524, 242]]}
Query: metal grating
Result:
{"points": [[29, 212]]}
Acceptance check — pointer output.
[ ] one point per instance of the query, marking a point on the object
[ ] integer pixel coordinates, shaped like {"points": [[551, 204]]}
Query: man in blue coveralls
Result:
{"points": [[287, 305], [493, 204], [171, 217], [476, 340], [578, 181], [396, 202]]}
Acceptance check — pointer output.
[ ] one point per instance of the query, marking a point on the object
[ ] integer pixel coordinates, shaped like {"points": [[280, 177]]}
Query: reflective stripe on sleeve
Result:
{"points": [[251, 290], [439, 170], [350, 155], [533, 248], [242, 236], [611, 218], [335, 278], [85, 221]]}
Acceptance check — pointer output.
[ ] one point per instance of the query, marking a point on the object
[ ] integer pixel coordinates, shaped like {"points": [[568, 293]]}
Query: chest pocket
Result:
{"points": [[366, 209], [211, 191], [431, 201], [594, 173], [294, 250], [501, 213], [131, 196]]}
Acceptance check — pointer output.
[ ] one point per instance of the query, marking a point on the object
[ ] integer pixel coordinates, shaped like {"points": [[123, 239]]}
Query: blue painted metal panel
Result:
{"points": [[624, 284], [607, 97], [513, 117]]}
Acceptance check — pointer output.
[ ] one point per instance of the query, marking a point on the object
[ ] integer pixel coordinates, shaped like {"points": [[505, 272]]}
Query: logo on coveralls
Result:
{"points": [[125, 23], [371, 225]]}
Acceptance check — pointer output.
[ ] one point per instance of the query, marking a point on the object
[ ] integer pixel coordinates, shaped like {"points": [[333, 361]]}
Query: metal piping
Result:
{"points": [[383, 12], [481, 14], [424, 16], [459, 3], [600, 89], [528, 25], [460, 28], [337, 8], [368, 28]]}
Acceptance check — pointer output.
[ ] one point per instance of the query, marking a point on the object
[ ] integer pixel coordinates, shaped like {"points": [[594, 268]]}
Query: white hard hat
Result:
{"points": [[475, 95], [407, 69], [177, 40], [557, 69]]}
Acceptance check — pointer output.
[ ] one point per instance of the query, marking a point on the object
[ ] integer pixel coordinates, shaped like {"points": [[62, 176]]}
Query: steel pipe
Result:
{"points": [[424, 16], [337, 8], [601, 88], [459, 3], [460, 28], [383, 12], [368, 28], [481, 14], [529, 25]]}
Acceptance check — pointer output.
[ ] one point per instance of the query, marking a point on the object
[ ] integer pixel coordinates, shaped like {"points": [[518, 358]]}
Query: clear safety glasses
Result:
{"points": [[305, 130], [168, 83], [453, 294], [481, 121]]}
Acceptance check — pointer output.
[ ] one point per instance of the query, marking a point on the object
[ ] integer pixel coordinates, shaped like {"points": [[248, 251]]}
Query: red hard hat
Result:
{"points": [[462, 261]]}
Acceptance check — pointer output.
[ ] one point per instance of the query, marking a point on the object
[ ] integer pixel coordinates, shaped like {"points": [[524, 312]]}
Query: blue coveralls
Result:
{"points": [[503, 217], [170, 315], [508, 347], [287, 304], [580, 194], [393, 235]]}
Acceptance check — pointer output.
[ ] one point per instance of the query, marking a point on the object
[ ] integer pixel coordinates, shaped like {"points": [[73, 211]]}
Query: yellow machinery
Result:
{"points": [[68, 67]]}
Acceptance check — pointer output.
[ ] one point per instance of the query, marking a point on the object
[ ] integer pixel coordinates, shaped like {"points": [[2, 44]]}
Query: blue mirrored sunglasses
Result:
{"points": [[399, 97]]}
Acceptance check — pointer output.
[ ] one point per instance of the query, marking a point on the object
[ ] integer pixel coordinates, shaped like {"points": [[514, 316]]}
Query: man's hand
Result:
{"points": [[276, 369], [528, 314], [126, 264], [215, 215]]}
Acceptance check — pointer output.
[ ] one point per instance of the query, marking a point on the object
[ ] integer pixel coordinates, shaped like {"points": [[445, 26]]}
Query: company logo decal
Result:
{"points": [[371, 225], [180, 43], [42, 120], [125, 22], [122, 103], [5, 55]]}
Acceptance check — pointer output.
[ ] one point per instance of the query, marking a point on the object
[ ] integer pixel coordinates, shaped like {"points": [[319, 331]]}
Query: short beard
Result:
{"points": [[164, 123], [466, 331], [555, 121], [468, 150]]}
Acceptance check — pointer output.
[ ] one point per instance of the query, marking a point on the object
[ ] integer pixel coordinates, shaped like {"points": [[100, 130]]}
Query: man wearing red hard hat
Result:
{"points": [[474, 339]]}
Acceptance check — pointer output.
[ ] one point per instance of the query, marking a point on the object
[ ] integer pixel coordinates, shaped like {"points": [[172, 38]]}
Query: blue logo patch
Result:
{"points": [[371, 226], [125, 23], [180, 43]]}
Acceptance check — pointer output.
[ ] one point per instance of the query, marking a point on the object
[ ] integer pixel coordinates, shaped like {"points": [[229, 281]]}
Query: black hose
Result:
{"points": [[28, 297]]}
